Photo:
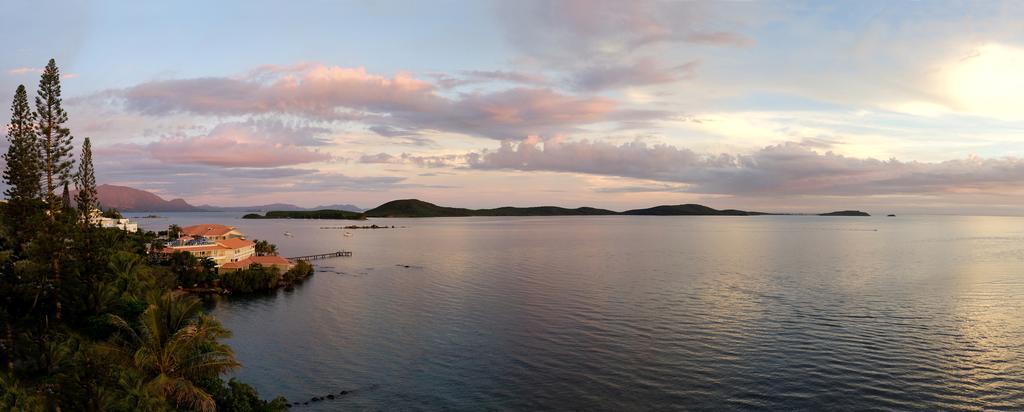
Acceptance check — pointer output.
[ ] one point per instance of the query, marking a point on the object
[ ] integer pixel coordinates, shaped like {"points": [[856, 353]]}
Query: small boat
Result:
{"points": [[289, 234], [891, 215], [348, 234]]}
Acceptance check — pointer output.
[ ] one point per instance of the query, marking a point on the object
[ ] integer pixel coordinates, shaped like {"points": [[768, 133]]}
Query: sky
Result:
{"points": [[888, 107]]}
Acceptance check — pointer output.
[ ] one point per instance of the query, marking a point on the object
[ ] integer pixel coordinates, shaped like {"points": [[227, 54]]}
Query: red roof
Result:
{"points": [[262, 260], [207, 229], [235, 243], [270, 260]]}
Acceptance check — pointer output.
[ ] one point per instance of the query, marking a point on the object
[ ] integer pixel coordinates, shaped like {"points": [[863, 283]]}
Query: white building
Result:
{"points": [[124, 224]]}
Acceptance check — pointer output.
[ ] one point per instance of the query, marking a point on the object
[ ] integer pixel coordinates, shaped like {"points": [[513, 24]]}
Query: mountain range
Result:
{"points": [[419, 208], [128, 199]]}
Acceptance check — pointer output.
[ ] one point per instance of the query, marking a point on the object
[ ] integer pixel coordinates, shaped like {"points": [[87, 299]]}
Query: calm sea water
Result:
{"points": [[641, 313]]}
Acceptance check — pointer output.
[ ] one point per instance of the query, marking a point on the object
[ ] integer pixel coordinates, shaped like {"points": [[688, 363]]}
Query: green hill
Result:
{"points": [[415, 208]]}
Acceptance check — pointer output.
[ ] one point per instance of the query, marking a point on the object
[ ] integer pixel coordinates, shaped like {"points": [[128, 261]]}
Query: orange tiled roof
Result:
{"points": [[196, 248], [263, 260], [235, 243], [207, 229], [270, 260]]}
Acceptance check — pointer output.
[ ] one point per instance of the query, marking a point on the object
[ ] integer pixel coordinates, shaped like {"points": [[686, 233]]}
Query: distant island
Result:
{"points": [[307, 214], [418, 208], [845, 213]]}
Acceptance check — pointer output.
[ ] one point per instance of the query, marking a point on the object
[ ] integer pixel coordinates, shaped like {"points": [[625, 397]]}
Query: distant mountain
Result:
{"points": [[688, 210], [419, 208], [346, 207], [286, 207], [307, 214], [128, 199]]}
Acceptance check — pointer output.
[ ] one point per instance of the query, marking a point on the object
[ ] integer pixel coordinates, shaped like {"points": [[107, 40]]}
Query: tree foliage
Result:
{"points": [[85, 180], [265, 248], [22, 170], [89, 323], [54, 138]]}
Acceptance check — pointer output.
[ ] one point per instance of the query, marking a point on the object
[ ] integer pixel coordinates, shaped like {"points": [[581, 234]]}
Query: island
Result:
{"points": [[307, 214], [845, 213], [415, 208]]}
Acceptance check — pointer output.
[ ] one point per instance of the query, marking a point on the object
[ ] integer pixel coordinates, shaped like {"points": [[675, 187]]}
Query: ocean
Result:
{"points": [[639, 313]]}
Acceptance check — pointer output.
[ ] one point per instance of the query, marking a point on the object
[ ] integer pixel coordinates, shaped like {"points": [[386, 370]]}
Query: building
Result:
{"points": [[223, 244], [96, 218], [267, 261], [212, 231]]}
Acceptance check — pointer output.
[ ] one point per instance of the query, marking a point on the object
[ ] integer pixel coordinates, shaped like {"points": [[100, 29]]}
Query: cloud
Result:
{"points": [[401, 102], [515, 113], [567, 30], [406, 136], [379, 158], [784, 169], [24, 70], [234, 145], [19, 71], [431, 161], [311, 90], [467, 77], [643, 72]]}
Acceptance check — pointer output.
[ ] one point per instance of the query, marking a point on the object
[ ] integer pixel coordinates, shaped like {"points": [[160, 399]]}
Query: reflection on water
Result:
{"points": [[625, 313]]}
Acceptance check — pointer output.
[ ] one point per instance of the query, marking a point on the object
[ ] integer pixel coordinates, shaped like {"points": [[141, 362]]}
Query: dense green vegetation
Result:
{"points": [[415, 208], [87, 321], [258, 278]]}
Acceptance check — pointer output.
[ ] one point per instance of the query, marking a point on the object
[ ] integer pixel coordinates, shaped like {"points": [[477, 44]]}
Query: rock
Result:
{"points": [[343, 393], [331, 396], [315, 399]]}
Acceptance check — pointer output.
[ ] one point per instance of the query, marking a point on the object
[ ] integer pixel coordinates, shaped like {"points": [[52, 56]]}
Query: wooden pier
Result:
{"points": [[340, 253]]}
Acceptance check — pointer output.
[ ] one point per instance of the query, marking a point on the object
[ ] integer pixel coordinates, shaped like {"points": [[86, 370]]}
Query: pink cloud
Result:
{"points": [[24, 70], [232, 145], [313, 90], [18, 71], [401, 101]]}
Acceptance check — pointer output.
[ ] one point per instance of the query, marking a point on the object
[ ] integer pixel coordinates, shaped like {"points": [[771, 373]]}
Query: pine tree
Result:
{"points": [[55, 149], [22, 173], [54, 138], [65, 199], [86, 181]]}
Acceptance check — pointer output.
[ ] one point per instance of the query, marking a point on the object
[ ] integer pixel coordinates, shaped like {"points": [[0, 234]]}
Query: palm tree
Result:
{"points": [[176, 346], [265, 248], [209, 268], [173, 231]]}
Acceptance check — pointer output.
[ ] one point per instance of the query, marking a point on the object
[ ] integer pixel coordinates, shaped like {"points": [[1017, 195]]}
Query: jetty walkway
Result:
{"points": [[340, 253]]}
